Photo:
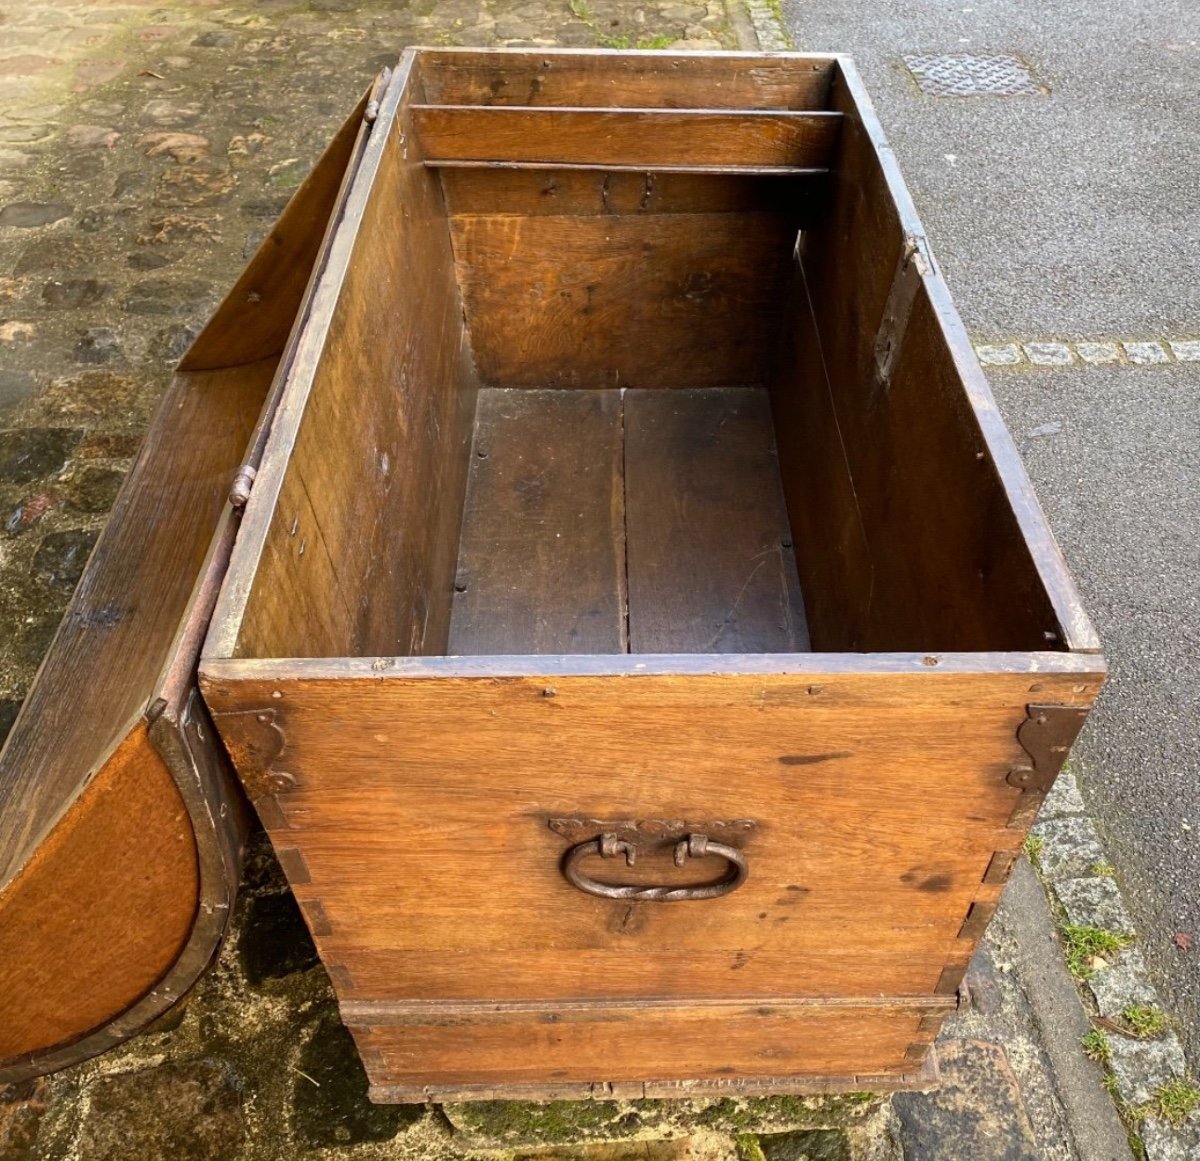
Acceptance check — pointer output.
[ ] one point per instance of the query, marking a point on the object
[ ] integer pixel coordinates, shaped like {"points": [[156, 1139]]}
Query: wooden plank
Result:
{"points": [[565, 192], [125, 613], [369, 429], [655, 79], [645, 973], [101, 912], [932, 532], [773, 171], [880, 802], [721, 1043], [541, 568], [711, 566], [649, 300], [922, 1079], [256, 317], [642, 137]]}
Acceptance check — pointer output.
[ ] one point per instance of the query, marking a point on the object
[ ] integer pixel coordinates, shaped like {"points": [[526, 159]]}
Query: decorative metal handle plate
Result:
{"points": [[693, 846]]}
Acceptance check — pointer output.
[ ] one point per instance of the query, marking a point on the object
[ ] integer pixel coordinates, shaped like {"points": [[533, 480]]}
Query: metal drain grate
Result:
{"points": [[968, 75]]}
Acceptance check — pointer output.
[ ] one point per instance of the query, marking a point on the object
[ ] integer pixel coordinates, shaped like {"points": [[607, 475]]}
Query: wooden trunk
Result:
{"points": [[642, 643], [121, 823]]}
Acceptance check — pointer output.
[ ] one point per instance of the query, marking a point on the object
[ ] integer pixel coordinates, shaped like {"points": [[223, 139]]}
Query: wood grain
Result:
{"points": [[880, 407], [541, 567], [372, 426], [584, 192], [711, 567], [654, 300], [255, 318], [126, 611], [880, 799], [102, 910], [643, 79], [649, 137], [641, 1044]]}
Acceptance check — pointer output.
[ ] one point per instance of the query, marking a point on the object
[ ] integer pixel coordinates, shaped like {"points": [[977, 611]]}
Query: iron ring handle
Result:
{"points": [[694, 846]]}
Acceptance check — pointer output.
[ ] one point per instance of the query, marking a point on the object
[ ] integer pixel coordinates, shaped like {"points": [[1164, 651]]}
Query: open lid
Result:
{"points": [[120, 828]]}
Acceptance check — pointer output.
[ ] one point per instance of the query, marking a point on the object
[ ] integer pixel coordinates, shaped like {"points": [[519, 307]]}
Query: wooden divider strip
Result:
{"points": [[637, 137]]}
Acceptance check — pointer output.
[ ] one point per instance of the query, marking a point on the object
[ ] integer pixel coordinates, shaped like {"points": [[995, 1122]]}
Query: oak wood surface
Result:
{"points": [[711, 567], [649, 137], [640, 1044], [582, 192], [103, 908], [372, 426], [541, 567], [880, 406], [648, 300], [255, 318], [664, 80], [881, 801], [125, 613]]}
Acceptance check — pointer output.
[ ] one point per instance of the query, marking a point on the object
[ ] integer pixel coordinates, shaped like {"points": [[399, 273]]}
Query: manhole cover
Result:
{"points": [[963, 74]]}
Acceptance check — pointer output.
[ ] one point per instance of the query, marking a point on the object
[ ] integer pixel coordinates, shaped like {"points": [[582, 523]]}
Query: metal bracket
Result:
{"points": [[255, 741], [915, 262], [648, 834], [1046, 736]]}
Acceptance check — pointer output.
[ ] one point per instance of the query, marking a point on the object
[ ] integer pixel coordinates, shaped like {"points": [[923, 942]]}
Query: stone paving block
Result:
{"points": [[821, 1145], [674, 1149], [21, 1109], [329, 1094], [1049, 354], [1139, 1067], [185, 1111], [977, 1113], [1187, 351], [1098, 353], [1002, 355], [1094, 902], [1123, 984], [1070, 847], [1145, 354], [35, 452], [1167, 1142], [15, 386], [1064, 798]]}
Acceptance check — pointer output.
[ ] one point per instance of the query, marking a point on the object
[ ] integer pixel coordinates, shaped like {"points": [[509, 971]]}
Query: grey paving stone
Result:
{"points": [[61, 556], [1098, 353], [1187, 351], [31, 453], [1071, 847], [187, 1111], [977, 1112], [15, 386], [818, 1145], [1049, 354], [1167, 1142], [1123, 984], [1139, 1067], [1145, 354], [26, 215], [1094, 902], [998, 355], [1064, 798]]}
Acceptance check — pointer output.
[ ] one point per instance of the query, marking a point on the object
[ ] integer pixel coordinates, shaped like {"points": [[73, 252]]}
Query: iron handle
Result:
{"points": [[694, 846]]}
